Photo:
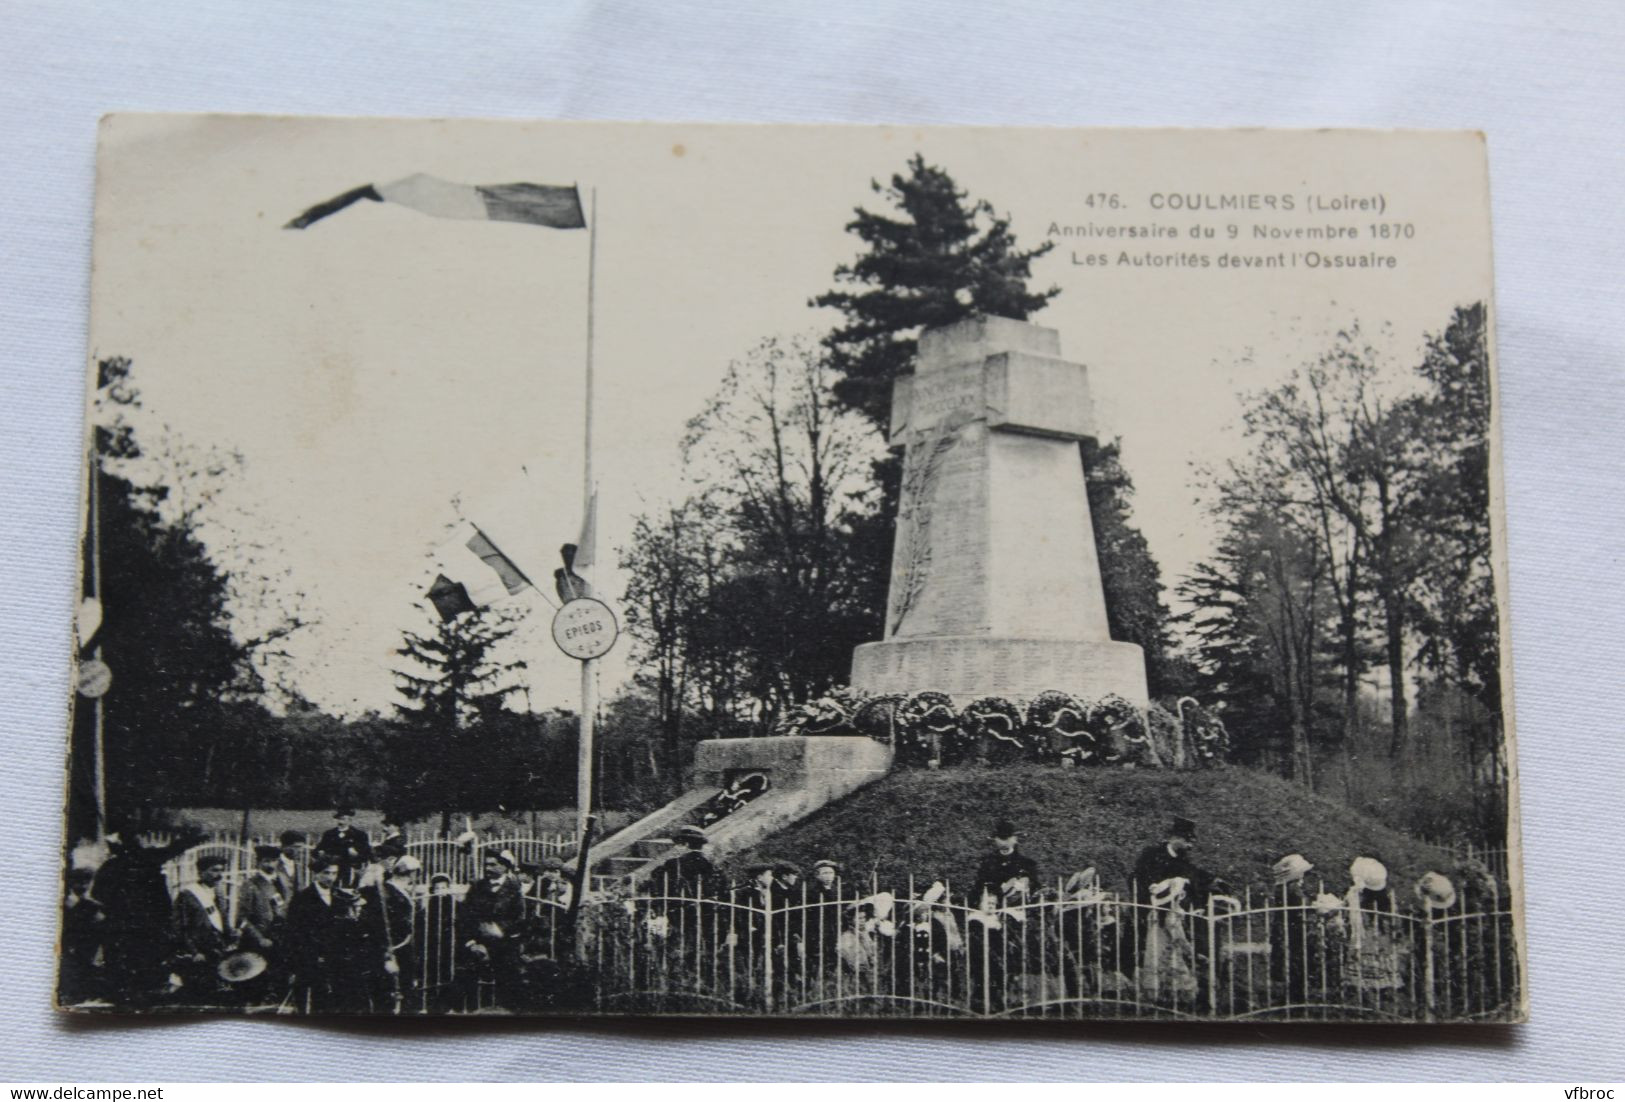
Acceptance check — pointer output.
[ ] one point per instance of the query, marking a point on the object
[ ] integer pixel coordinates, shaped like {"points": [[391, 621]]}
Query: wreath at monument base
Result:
{"points": [[926, 729]]}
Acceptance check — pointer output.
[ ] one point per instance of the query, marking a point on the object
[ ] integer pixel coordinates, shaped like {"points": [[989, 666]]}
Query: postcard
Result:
{"points": [[541, 568]]}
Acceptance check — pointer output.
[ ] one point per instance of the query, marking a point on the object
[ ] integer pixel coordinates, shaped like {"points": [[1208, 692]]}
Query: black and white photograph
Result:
{"points": [[806, 572]]}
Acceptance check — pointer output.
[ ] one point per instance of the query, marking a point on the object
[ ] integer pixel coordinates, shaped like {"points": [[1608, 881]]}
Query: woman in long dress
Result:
{"points": [[1371, 958], [1167, 972]]}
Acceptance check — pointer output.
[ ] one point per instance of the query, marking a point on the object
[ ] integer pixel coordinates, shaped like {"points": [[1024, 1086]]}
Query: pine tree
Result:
{"points": [[455, 688], [944, 260]]}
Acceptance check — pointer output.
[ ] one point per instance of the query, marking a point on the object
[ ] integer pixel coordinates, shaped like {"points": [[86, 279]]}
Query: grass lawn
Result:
{"points": [[937, 823]]}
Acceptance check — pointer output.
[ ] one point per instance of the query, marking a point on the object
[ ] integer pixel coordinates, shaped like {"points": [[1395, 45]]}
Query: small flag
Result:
{"points": [[535, 204], [449, 598], [473, 573], [566, 582]]}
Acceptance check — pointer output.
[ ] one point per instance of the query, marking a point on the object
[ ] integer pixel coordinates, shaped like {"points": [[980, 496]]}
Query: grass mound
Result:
{"points": [[936, 823]]}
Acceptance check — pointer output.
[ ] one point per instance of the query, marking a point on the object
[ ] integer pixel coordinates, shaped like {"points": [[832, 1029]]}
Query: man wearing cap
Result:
{"points": [[390, 913], [348, 844], [201, 937], [1006, 872], [491, 911], [552, 884]]}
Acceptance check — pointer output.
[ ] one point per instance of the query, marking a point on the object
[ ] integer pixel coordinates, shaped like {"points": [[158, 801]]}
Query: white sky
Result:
{"points": [[374, 366]]}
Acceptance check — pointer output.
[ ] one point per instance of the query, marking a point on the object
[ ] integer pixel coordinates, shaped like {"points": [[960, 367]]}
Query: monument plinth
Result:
{"points": [[995, 585]]}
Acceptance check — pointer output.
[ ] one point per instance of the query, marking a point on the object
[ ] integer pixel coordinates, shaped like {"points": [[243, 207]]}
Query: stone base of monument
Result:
{"points": [[804, 773], [969, 666]]}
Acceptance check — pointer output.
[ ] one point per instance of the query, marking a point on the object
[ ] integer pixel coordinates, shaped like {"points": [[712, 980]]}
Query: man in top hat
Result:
{"points": [[1160, 863], [1170, 858], [262, 906], [348, 844], [1006, 874], [202, 938]]}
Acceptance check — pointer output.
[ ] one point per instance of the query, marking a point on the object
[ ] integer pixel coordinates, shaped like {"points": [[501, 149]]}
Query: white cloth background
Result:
{"points": [[1546, 81]]}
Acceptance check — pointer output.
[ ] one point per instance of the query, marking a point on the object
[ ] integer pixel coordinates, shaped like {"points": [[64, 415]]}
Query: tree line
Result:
{"points": [[1354, 563]]}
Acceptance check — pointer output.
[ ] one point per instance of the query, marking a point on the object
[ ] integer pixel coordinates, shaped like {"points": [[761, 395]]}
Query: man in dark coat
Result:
{"points": [[391, 912], [1005, 877], [202, 935], [1170, 858], [690, 871], [320, 938], [292, 869], [132, 888], [262, 905], [1164, 861], [1002, 872], [83, 921], [693, 930], [348, 844], [825, 900], [491, 913], [1297, 958]]}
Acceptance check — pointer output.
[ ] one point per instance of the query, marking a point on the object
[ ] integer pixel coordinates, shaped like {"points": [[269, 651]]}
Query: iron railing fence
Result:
{"points": [[1092, 955], [871, 953]]}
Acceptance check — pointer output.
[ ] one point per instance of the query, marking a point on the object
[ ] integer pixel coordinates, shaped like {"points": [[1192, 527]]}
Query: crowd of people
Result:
{"points": [[1174, 935], [348, 925]]}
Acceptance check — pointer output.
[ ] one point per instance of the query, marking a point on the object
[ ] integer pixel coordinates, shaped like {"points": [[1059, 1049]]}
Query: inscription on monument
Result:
{"points": [[922, 402]]}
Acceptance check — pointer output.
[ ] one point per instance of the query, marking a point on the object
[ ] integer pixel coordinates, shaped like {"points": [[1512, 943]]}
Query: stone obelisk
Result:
{"points": [[995, 585]]}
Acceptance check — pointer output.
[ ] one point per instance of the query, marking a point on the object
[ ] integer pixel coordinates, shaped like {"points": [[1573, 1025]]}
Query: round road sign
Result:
{"points": [[585, 628], [94, 678]]}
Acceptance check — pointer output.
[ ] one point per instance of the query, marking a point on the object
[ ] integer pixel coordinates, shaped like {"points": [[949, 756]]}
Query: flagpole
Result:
{"points": [[589, 667], [100, 753]]}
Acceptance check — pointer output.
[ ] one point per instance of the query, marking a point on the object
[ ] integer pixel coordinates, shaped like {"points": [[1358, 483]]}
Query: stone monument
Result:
{"points": [[995, 585]]}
